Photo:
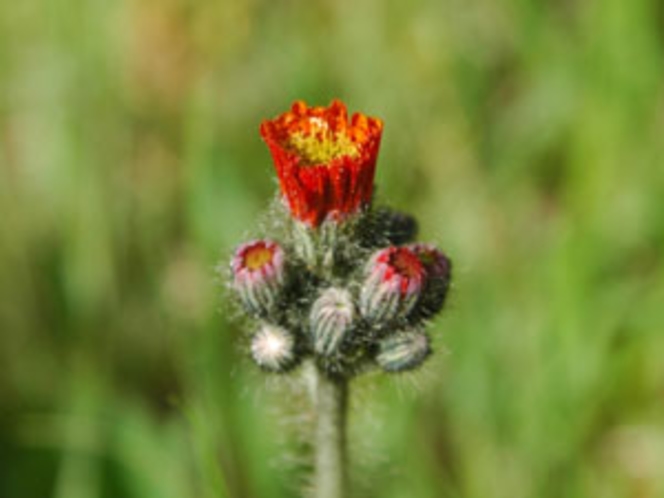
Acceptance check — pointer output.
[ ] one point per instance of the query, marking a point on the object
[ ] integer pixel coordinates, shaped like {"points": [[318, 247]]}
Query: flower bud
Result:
{"points": [[273, 349], [258, 275], [438, 268], [331, 319], [403, 351], [392, 286], [395, 226]]}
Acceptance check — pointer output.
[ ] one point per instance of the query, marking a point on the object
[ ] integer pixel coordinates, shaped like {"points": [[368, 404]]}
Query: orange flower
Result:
{"points": [[325, 163]]}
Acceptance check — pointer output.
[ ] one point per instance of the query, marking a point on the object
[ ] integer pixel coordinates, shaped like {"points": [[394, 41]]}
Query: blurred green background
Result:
{"points": [[528, 138]]}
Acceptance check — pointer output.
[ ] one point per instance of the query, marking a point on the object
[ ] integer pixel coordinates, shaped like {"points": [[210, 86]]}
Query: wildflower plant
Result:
{"points": [[341, 284]]}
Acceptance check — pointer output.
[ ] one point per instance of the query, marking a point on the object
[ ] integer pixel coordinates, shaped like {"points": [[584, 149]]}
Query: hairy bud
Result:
{"points": [[258, 275], [397, 227], [331, 319], [403, 351], [273, 349], [392, 286], [438, 268]]}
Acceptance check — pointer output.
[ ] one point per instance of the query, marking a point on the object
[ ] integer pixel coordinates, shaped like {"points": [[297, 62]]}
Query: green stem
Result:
{"points": [[331, 406]]}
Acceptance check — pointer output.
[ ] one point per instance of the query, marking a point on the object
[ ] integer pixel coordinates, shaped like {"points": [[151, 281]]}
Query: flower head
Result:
{"points": [[392, 226], [325, 162], [273, 349], [392, 286], [258, 275], [403, 351], [331, 319], [438, 268]]}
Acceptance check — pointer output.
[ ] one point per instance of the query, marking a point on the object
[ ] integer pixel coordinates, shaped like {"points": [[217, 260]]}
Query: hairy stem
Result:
{"points": [[331, 405]]}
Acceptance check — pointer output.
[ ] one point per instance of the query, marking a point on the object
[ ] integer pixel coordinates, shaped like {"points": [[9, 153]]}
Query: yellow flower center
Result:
{"points": [[318, 144], [257, 257]]}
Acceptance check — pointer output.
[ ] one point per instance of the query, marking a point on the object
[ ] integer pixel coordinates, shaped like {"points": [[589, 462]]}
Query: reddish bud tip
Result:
{"points": [[392, 286], [258, 275]]}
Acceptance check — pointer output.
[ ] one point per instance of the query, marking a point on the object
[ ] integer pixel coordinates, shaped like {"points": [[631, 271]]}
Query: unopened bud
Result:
{"points": [[438, 268], [397, 227], [258, 275], [403, 351], [392, 286], [273, 349], [331, 319]]}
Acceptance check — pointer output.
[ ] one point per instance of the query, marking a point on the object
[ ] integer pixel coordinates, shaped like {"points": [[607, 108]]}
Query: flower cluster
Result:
{"points": [[346, 284]]}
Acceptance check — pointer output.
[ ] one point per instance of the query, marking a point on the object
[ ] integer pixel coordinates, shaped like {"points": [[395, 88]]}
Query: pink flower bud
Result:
{"points": [[392, 286], [273, 349], [331, 319], [258, 275], [438, 268]]}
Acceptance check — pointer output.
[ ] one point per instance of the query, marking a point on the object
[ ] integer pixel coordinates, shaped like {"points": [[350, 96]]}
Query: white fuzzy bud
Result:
{"points": [[273, 348]]}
